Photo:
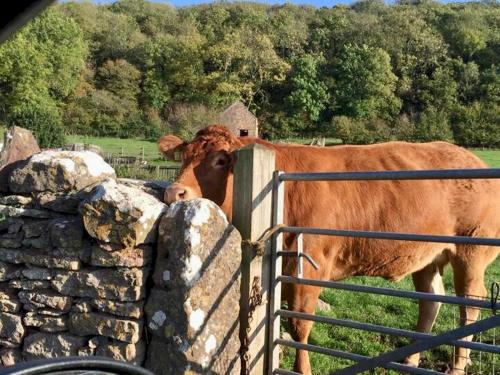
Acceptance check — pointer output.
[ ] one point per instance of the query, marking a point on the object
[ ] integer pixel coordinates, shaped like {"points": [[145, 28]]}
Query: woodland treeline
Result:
{"points": [[365, 73]]}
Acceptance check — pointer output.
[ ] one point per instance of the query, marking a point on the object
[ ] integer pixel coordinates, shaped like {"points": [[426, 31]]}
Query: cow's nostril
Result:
{"points": [[181, 194], [175, 193]]}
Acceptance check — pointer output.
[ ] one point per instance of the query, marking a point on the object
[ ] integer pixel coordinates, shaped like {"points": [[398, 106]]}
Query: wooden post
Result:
{"points": [[252, 215]]}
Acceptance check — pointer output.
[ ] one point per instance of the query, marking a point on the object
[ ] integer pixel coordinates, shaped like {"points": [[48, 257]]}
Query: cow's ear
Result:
{"points": [[170, 146]]}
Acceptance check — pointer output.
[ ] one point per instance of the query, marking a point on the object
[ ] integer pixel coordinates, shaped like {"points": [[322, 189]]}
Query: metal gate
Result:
{"points": [[422, 341]]}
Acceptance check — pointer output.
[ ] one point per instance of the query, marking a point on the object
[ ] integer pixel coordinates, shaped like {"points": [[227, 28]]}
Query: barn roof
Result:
{"points": [[239, 109]]}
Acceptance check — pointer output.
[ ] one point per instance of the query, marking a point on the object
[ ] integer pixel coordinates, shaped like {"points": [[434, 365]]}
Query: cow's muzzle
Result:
{"points": [[177, 192]]}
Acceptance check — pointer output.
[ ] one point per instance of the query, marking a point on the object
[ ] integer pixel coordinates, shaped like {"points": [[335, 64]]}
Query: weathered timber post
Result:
{"points": [[252, 215]]}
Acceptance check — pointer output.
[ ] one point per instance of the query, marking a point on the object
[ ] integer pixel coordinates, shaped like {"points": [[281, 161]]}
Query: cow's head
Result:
{"points": [[207, 166]]}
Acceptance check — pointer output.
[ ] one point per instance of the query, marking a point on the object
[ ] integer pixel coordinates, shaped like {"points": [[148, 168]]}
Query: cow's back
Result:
{"points": [[448, 207]]}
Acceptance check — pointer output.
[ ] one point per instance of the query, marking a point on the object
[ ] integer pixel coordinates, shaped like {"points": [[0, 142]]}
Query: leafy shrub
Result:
{"points": [[357, 131], [184, 120], [433, 125], [477, 125], [43, 120]]}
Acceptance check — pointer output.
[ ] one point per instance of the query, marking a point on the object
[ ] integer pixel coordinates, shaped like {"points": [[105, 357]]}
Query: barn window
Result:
{"points": [[243, 132]]}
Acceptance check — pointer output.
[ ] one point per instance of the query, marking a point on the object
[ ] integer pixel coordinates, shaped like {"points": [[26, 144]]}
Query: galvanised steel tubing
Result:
{"points": [[462, 240], [354, 357], [280, 371], [487, 348], [421, 345], [386, 175], [455, 300], [442, 174]]}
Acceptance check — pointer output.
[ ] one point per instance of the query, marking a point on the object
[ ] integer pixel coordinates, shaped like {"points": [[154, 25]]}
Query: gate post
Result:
{"points": [[252, 215]]}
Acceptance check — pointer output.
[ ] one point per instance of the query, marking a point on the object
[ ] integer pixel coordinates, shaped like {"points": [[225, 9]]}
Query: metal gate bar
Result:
{"points": [[280, 371], [354, 357], [421, 345], [461, 240], [384, 330], [455, 300], [440, 174]]}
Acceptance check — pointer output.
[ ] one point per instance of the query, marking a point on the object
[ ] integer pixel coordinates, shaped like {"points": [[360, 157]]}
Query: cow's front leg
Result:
{"points": [[302, 298]]}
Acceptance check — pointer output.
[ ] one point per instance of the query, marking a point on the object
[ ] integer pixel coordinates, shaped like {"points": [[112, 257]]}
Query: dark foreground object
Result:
{"points": [[75, 365]]}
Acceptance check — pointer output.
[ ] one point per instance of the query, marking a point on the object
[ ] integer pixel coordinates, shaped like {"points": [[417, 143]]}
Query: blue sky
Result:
{"points": [[317, 3]]}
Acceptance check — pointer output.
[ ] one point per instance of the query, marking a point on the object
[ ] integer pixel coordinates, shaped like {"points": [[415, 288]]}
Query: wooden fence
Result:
{"points": [[140, 168], [146, 172]]}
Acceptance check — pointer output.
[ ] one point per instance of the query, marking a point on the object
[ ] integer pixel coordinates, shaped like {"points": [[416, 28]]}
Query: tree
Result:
{"points": [[244, 64], [416, 50], [152, 18], [489, 86], [39, 69], [465, 32], [173, 68], [467, 78], [365, 84], [288, 29], [121, 78], [433, 125], [309, 95]]}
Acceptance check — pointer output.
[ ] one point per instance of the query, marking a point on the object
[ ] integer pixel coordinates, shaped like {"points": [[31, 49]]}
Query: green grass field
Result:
{"points": [[492, 157], [117, 146], [127, 147]]}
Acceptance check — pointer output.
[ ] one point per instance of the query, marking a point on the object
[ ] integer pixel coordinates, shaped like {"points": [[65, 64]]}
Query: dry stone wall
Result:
{"points": [[76, 251], [83, 270]]}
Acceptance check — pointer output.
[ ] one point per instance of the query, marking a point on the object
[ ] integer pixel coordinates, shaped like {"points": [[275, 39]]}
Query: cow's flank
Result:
{"points": [[446, 207]]}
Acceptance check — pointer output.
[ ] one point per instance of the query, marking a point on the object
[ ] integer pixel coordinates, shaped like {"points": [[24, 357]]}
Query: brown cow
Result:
{"points": [[446, 207]]}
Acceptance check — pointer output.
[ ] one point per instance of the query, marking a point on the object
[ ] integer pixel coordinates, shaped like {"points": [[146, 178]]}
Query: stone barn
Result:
{"points": [[240, 120]]}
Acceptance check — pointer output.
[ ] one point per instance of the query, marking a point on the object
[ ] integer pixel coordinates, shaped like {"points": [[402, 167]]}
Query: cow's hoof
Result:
{"points": [[454, 371], [411, 361]]}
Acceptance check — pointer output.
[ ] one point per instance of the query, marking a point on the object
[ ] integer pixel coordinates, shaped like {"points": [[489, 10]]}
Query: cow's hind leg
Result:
{"points": [[427, 280], [469, 265], [302, 299]]}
